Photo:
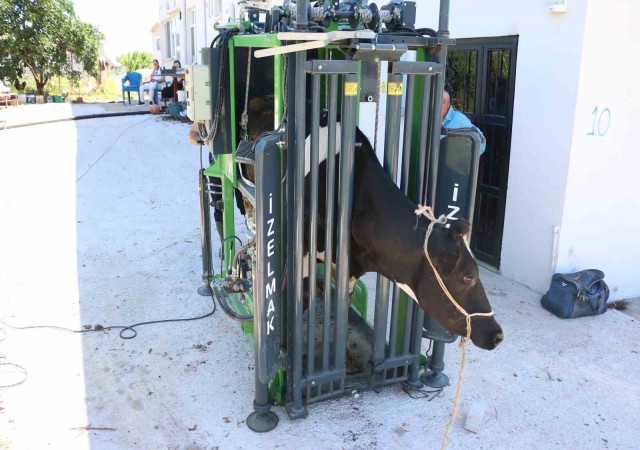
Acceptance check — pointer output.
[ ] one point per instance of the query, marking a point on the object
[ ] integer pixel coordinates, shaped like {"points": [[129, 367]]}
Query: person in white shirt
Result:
{"points": [[156, 81]]}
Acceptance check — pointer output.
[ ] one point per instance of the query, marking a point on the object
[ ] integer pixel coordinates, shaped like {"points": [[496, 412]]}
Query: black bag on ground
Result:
{"points": [[577, 294]]}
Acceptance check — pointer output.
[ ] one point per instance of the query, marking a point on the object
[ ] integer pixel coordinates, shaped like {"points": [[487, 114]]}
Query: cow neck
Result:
{"points": [[381, 214], [428, 213]]}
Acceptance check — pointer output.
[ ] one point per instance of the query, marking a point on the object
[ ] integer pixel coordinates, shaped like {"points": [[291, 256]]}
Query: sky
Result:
{"points": [[126, 24]]}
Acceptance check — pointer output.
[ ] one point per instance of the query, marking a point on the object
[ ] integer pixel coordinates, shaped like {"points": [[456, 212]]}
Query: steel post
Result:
{"points": [[267, 290], [313, 222], [437, 379], [418, 195], [205, 235], [289, 229], [347, 147], [297, 409], [391, 146], [329, 215]]}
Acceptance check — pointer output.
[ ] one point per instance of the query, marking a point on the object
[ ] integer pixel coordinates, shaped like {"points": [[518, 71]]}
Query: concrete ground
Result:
{"points": [[99, 224]]}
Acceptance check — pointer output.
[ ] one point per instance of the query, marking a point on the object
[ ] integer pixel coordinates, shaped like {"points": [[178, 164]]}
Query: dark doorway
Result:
{"points": [[481, 82]]}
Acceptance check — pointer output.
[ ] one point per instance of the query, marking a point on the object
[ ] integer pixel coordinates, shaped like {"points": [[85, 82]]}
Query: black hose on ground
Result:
{"points": [[66, 119]]}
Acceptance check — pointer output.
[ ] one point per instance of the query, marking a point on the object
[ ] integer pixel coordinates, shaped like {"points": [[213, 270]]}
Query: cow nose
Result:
{"points": [[497, 339]]}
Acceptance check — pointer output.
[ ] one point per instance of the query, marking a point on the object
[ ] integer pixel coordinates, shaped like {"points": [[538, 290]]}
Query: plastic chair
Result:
{"points": [[134, 79]]}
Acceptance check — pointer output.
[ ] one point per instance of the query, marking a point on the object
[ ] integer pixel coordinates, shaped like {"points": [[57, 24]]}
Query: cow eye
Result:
{"points": [[468, 280]]}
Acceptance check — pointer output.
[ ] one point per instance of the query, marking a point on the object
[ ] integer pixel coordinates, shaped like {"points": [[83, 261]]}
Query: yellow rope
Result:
{"points": [[428, 213]]}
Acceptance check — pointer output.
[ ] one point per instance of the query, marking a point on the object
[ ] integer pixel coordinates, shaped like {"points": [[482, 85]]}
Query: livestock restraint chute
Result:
{"points": [[277, 101]]}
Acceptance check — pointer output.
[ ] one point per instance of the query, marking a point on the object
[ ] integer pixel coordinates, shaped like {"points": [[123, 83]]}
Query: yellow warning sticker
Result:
{"points": [[395, 88], [350, 89]]}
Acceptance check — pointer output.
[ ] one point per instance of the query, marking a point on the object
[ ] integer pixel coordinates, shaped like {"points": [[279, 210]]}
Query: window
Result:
{"points": [[156, 40], [192, 36], [172, 37]]}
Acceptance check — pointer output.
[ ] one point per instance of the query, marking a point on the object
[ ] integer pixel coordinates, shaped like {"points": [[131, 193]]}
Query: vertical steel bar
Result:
{"points": [[418, 316], [347, 147], [393, 328], [205, 230], [443, 22], [406, 144], [313, 222], [422, 140], [435, 129], [414, 369], [277, 90], [436, 120], [408, 322], [329, 214], [407, 306], [437, 358], [391, 146], [302, 8], [381, 314], [228, 223], [391, 150], [298, 226], [288, 225]]}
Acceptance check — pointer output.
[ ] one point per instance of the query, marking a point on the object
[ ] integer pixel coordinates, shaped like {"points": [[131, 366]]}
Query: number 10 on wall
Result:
{"points": [[601, 122]]}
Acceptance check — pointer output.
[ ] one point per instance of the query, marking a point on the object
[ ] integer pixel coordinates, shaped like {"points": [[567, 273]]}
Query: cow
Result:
{"points": [[388, 238]]}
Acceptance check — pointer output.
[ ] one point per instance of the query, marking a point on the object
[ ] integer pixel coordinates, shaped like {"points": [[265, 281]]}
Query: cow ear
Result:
{"points": [[460, 229]]}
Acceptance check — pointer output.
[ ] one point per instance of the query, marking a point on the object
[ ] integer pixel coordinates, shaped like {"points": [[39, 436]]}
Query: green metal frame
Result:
{"points": [[225, 169]]}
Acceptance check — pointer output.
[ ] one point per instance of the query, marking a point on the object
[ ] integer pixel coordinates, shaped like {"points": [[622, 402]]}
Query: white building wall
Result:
{"points": [[548, 64], [602, 203], [208, 13]]}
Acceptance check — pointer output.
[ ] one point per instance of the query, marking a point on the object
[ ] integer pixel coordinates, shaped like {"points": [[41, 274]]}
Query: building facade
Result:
{"points": [[184, 27]]}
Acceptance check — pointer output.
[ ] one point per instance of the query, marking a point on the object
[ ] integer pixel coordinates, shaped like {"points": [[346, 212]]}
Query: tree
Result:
{"points": [[46, 38], [135, 60]]}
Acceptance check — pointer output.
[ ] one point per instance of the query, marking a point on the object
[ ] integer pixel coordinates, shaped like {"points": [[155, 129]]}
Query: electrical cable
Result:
{"points": [[419, 393], [123, 328]]}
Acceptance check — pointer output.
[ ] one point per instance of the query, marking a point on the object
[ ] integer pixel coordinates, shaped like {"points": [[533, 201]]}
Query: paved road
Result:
{"points": [[99, 225]]}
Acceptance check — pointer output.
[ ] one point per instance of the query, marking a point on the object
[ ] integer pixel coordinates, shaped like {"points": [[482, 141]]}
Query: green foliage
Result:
{"points": [[46, 38], [133, 61], [108, 90]]}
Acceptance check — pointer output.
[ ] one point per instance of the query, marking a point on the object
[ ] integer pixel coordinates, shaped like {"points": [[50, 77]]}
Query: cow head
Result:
{"points": [[450, 254]]}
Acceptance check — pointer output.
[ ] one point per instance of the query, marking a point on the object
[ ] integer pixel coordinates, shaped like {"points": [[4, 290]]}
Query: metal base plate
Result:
{"points": [[205, 290], [434, 380], [263, 421]]}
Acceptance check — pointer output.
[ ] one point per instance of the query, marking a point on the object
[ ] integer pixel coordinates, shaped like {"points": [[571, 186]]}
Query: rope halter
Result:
{"points": [[427, 212]]}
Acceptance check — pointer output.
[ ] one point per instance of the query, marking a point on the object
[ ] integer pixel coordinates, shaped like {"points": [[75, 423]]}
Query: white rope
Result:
{"points": [[428, 213]]}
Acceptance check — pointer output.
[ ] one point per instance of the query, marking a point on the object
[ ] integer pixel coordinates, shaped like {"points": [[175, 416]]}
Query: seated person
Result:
{"points": [[167, 92], [452, 119], [155, 81]]}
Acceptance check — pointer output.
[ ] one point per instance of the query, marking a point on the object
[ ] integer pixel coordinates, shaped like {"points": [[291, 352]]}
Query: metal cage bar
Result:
{"points": [[313, 224], [345, 199], [329, 214]]}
